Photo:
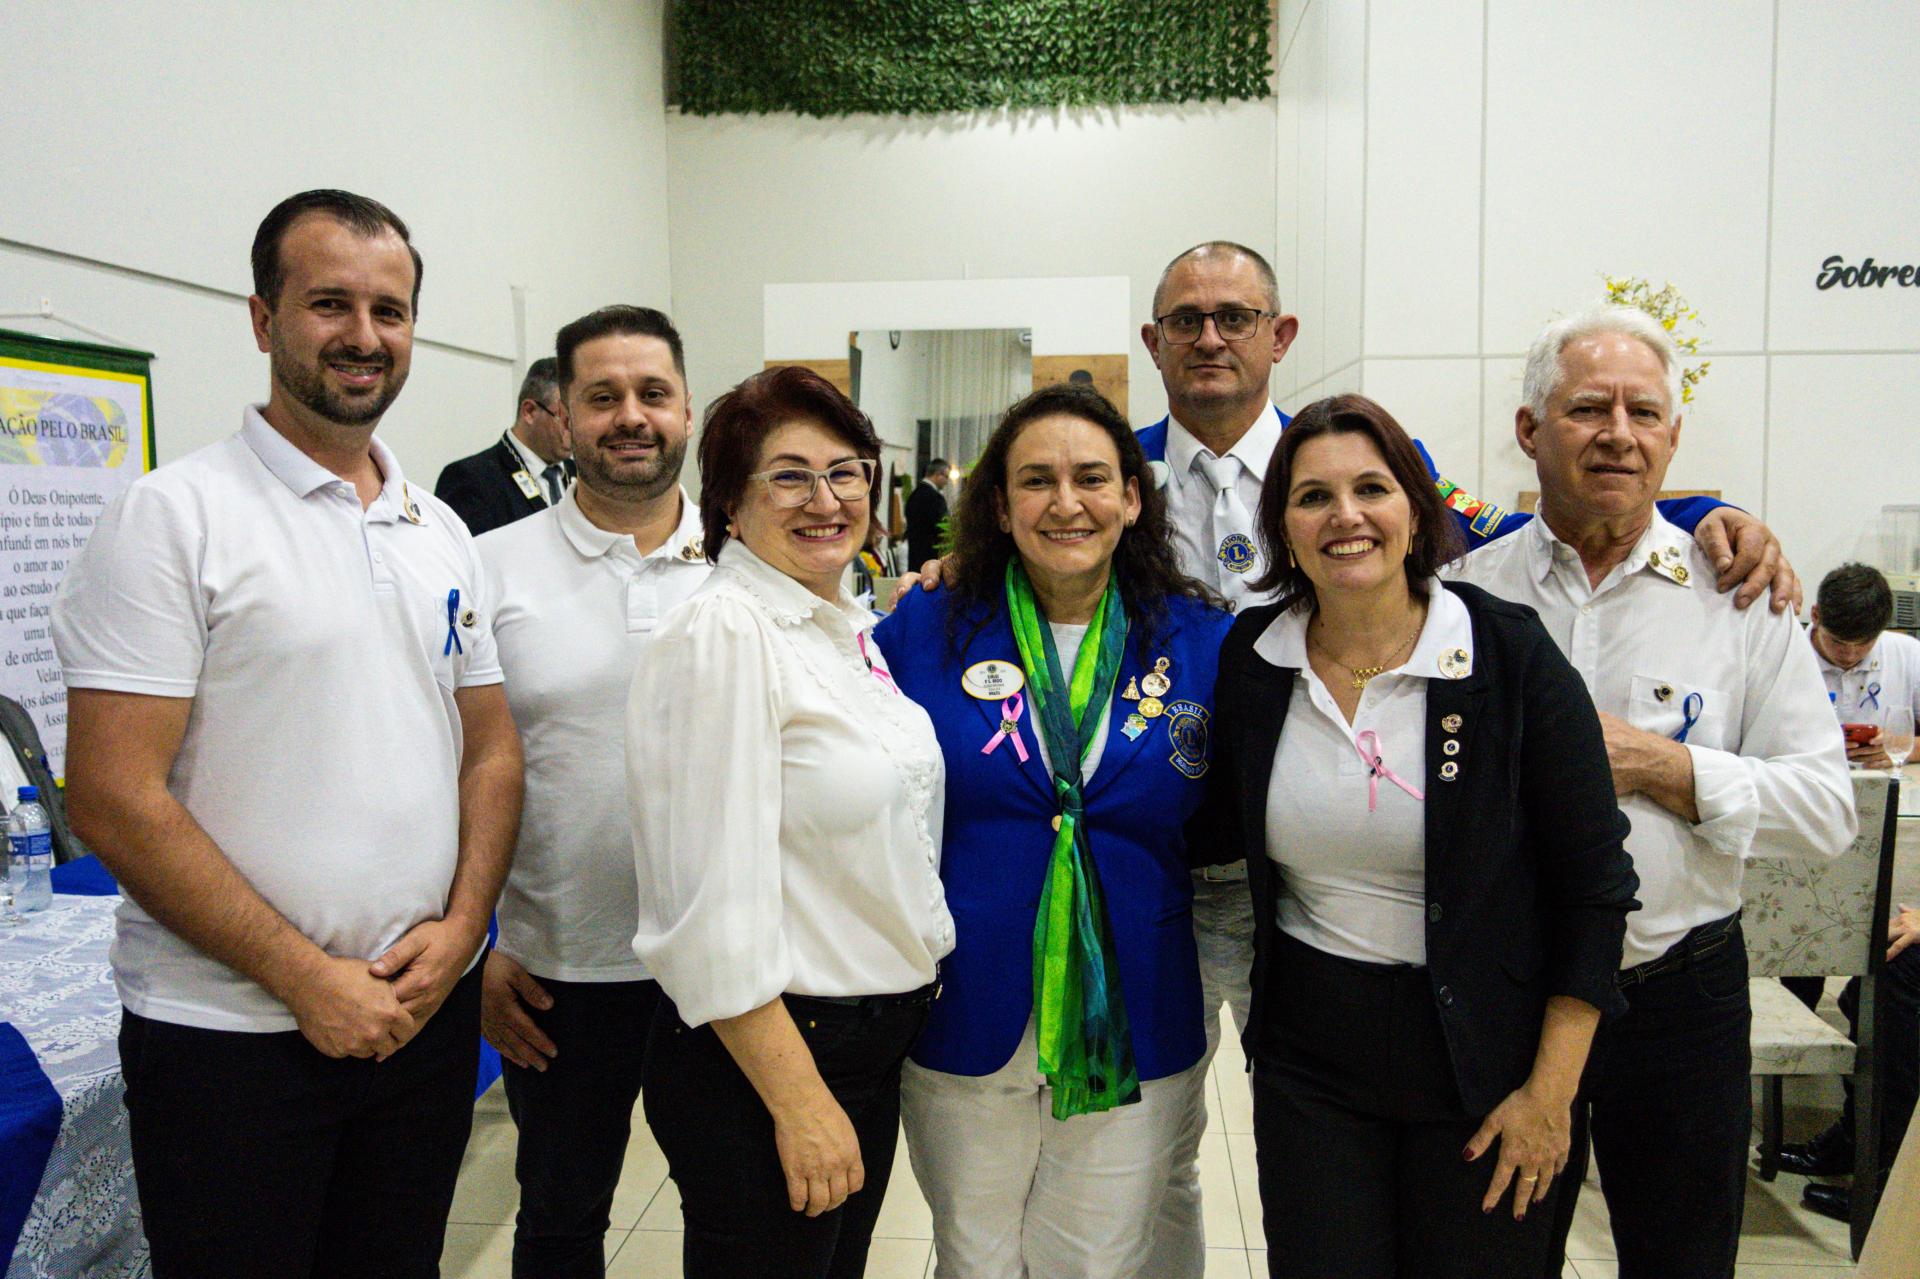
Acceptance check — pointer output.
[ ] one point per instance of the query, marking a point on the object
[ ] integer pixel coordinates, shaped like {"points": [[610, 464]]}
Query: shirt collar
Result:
{"points": [[1663, 550], [529, 460], [592, 541], [1444, 649], [789, 602], [305, 477], [1254, 450]]}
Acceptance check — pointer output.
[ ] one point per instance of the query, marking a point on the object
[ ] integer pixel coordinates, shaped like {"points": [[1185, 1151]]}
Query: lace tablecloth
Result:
{"points": [[57, 991]]}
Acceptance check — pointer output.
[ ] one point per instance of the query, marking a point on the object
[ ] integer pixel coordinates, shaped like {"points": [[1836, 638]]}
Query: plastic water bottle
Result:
{"points": [[30, 853]]}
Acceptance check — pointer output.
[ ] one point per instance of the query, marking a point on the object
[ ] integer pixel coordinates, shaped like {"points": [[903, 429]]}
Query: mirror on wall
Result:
{"points": [[937, 392], [932, 393]]}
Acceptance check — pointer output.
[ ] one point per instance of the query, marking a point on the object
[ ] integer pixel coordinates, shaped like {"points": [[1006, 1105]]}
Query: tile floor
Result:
{"points": [[1780, 1241]]}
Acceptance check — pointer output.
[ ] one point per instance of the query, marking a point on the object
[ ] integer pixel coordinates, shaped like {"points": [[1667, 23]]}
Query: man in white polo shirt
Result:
{"points": [[289, 743], [578, 591], [1722, 747]]}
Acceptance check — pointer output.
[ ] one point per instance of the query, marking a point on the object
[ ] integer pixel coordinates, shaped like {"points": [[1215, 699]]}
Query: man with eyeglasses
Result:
{"points": [[1217, 329], [579, 590], [526, 470]]}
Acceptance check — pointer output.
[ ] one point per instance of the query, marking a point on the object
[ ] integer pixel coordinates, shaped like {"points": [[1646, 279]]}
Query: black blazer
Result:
{"points": [[1528, 883], [482, 491], [926, 507]]}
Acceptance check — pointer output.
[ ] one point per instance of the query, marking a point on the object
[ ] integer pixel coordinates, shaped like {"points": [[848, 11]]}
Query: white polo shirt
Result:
{"points": [[322, 752], [1657, 646], [1888, 676], [575, 609], [1190, 498]]}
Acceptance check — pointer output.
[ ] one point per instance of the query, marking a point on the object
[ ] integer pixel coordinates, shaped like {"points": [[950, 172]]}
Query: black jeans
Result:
{"points": [[1898, 1061], [1668, 1099], [574, 1118], [1358, 1128], [257, 1155], [718, 1139]]}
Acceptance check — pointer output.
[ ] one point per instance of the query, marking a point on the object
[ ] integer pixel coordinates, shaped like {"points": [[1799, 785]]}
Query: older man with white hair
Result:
{"points": [[1723, 749]]}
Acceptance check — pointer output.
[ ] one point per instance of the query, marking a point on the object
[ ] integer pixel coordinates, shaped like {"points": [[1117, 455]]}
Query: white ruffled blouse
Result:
{"points": [[786, 802]]}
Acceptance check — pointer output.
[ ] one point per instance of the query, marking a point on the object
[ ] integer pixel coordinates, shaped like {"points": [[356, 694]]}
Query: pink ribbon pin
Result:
{"points": [[879, 672], [1368, 744], [1009, 727]]}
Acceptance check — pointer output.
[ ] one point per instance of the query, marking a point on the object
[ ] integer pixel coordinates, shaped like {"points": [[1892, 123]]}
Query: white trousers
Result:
{"points": [[1018, 1194], [1223, 932]]}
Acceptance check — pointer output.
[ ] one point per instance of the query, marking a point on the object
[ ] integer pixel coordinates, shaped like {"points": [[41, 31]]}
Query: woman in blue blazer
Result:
{"points": [[1068, 669]]}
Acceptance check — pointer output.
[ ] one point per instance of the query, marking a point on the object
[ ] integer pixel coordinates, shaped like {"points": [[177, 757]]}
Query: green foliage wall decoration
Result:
{"points": [[898, 57]]}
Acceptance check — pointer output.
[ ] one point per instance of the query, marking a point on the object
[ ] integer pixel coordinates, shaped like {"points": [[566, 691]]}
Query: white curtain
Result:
{"points": [[973, 376]]}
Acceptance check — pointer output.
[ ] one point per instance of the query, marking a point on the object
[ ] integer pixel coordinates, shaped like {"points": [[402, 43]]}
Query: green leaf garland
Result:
{"points": [[913, 57]]}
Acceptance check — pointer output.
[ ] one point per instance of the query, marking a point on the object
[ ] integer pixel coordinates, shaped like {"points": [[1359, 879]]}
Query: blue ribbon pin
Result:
{"points": [[1872, 698], [453, 644], [1690, 713]]}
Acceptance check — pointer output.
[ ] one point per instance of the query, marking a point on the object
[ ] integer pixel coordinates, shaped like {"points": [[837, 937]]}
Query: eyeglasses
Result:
{"points": [[1234, 324], [544, 409], [790, 486]]}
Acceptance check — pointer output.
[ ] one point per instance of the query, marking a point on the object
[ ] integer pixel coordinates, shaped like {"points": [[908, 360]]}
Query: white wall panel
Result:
{"points": [[1626, 139], [1844, 443], [1845, 178], [1345, 179], [1423, 178]]}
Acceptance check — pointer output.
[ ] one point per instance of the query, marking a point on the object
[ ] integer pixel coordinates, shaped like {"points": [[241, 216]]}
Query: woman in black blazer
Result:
{"points": [[1418, 782]]}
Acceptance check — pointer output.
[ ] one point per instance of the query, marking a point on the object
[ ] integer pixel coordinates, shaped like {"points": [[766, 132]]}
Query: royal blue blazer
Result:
{"points": [[999, 833]]}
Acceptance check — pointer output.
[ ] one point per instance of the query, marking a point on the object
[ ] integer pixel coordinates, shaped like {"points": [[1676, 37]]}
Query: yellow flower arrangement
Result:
{"points": [[1666, 305]]}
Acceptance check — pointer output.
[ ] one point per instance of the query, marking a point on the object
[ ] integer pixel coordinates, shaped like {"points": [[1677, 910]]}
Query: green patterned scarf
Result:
{"points": [[1086, 1050]]}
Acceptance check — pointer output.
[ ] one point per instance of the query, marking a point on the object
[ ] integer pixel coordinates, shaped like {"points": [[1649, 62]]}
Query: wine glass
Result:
{"points": [[1896, 739]]}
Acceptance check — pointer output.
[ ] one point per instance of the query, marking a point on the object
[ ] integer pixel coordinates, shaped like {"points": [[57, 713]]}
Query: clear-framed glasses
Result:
{"points": [[1234, 324], [789, 486]]}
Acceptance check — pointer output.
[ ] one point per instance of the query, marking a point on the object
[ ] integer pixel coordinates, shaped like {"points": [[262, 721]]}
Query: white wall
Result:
{"points": [[524, 145], [893, 389], [769, 200], [1513, 153]]}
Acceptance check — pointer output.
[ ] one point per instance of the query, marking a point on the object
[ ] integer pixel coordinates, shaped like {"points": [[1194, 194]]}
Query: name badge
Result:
{"points": [[993, 681], [527, 485]]}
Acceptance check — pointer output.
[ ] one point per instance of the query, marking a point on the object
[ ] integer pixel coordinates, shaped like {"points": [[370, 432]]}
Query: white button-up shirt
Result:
{"points": [[1657, 646], [1190, 497], [322, 753], [786, 801], [576, 608], [1888, 676], [533, 465], [1355, 871]]}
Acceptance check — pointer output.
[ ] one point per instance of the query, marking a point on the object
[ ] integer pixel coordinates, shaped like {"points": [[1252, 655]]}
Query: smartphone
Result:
{"points": [[1860, 734]]}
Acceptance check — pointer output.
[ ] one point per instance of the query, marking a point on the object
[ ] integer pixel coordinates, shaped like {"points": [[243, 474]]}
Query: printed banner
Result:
{"points": [[75, 431]]}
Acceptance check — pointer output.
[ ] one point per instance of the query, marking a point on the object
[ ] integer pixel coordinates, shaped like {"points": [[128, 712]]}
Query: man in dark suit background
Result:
{"points": [[526, 470], [926, 507]]}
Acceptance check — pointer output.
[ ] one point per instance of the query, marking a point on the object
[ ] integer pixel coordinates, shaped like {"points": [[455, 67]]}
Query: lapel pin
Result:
{"points": [[1455, 664], [1450, 723], [1131, 692], [1664, 693], [1450, 747], [1449, 771], [1155, 682]]}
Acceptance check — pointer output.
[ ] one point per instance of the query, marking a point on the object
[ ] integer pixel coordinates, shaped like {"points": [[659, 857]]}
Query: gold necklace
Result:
{"points": [[1362, 675]]}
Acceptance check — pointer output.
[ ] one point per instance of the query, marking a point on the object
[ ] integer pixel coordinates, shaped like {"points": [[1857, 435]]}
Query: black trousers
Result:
{"points": [[574, 1119], [1668, 1100], [1899, 1046], [257, 1155], [718, 1139], [1358, 1129]]}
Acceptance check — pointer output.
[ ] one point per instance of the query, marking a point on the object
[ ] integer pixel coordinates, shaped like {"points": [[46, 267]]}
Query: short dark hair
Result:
{"points": [[738, 423], [1264, 268], [1144, 560], [1435, 539], [362, 216], [1855, 603], [939, 466], [616, 321], [541, 381]]}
